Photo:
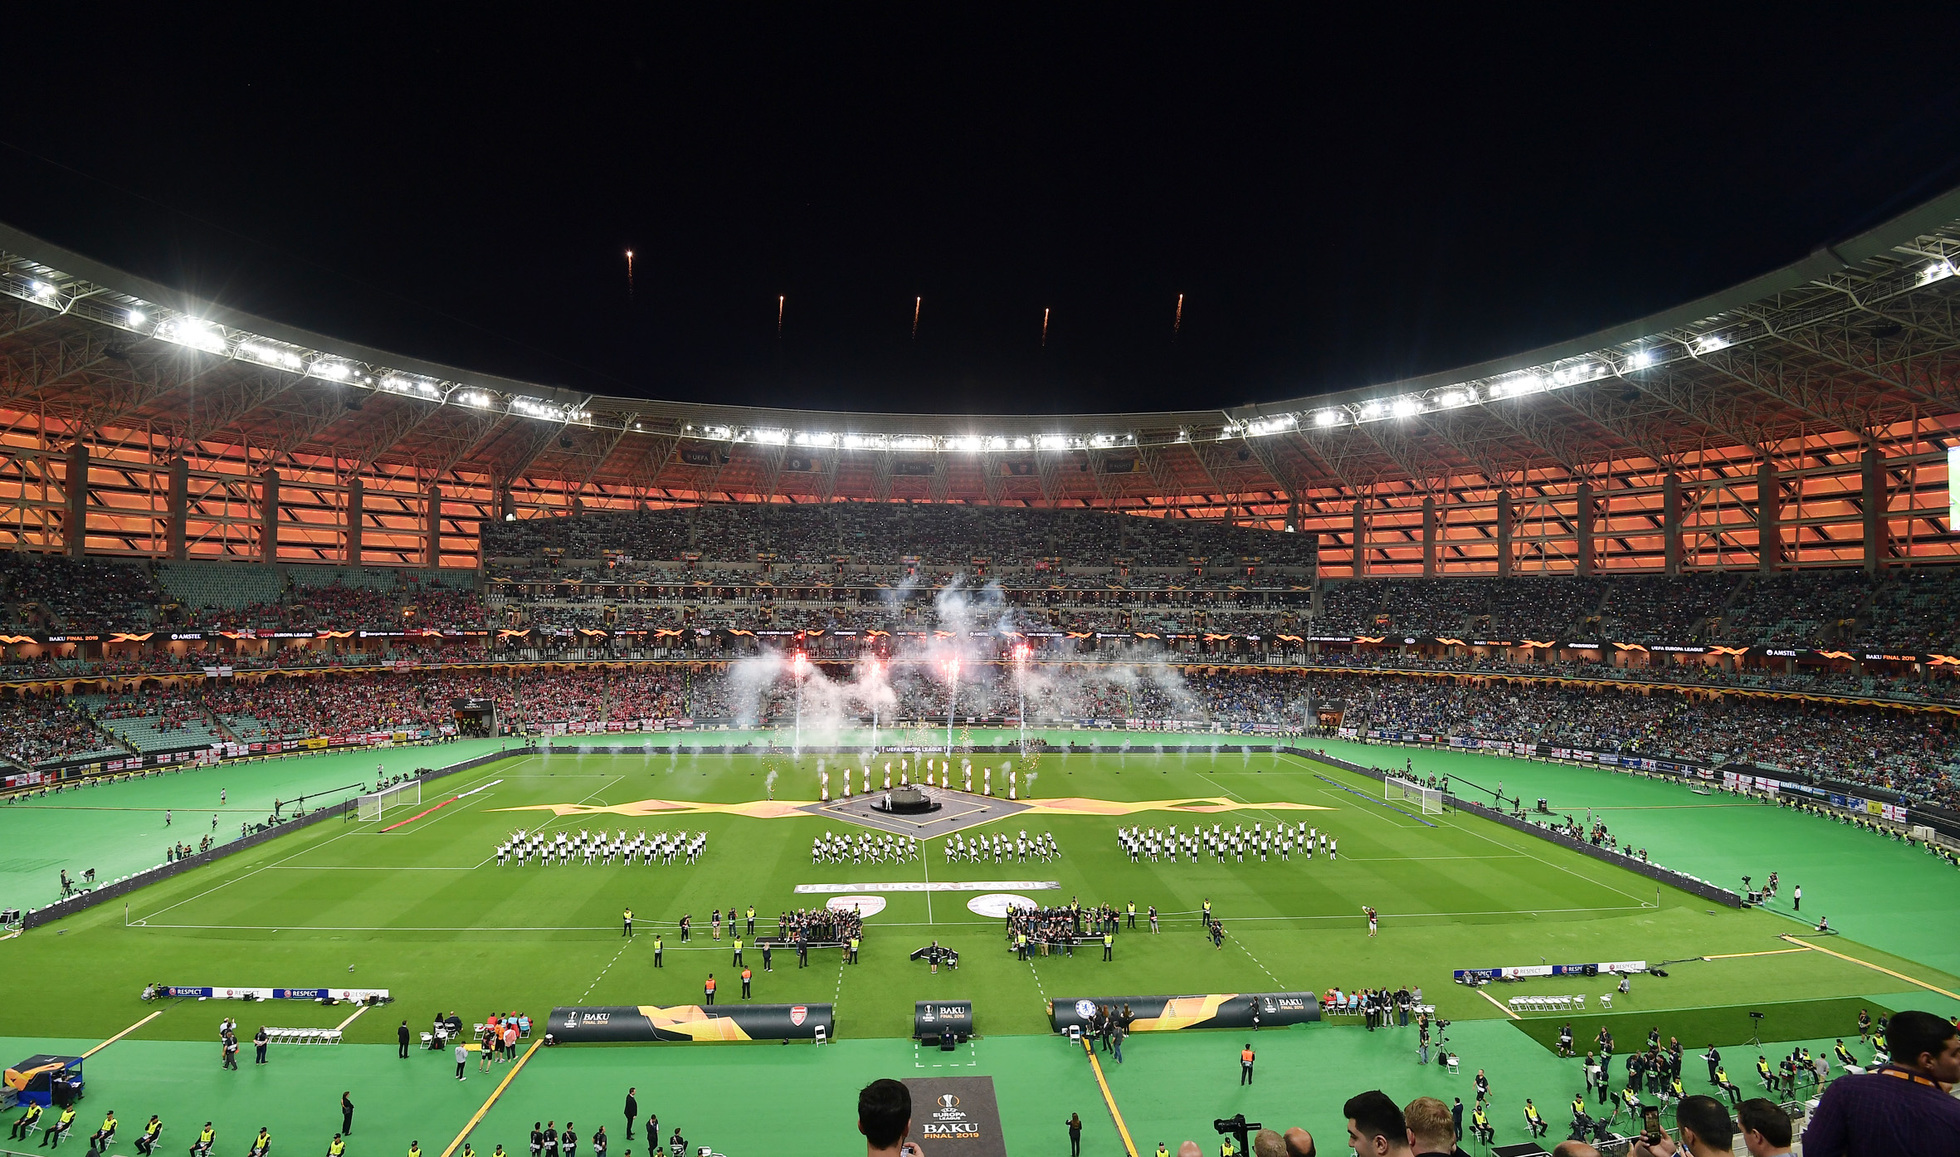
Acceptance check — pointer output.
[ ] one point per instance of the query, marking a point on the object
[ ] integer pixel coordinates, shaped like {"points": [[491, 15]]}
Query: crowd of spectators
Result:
{"points": [[56, 593], [37, 729]]}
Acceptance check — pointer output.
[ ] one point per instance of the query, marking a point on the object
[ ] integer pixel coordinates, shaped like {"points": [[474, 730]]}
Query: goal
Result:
{"points": [[374, 803], [1408, 790]]}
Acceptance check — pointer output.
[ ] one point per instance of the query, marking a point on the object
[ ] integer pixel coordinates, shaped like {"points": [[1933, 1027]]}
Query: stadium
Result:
{"points": [[488, 749]]}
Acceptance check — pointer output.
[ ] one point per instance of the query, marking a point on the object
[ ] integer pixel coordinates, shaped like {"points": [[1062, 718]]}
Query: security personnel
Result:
{"points": [[1722, 1079], [1225, 1148], [854, 951], [1132, 907], [147, 1143], [1021, 945], [1207, 909], [336, 1147], [1844, 1056], [415, 1149], [1246, 1058], [1109, 945], [1162, 1151], [1762, 1070], [261, 1144], [24, 1124], [626, 922], [1675, 1089], [656, 949], [1578, 1106], [60, 1128], [1480, 1123], [1533, 1120], [1630, 1096], [751, 914], [746, 974], [205, 1137], [708, 989], [738, 951], [107, 1133]]}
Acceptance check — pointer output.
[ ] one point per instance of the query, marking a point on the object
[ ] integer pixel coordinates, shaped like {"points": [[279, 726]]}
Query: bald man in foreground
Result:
{"points": [[1295, 1142], [1574, 1149]]}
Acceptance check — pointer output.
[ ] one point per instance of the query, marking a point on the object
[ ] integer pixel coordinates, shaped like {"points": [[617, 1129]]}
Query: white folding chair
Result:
{"points": [[822, 1036]]}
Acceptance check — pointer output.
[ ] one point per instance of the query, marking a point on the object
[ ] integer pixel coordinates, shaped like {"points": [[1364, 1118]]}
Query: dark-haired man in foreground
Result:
{"points": [[1375, 1126], [1899, 1107], [885, 1119]]}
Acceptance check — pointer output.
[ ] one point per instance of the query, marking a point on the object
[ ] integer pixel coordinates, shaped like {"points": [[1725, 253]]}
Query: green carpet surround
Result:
{"points": [[417, 904]]}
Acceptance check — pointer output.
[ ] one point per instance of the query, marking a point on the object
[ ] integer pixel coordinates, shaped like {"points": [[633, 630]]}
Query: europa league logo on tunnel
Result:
{"points": [[948, 1101]]}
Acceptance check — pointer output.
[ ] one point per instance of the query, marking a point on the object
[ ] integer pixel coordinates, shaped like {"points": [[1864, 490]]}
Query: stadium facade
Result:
{"points": [[1802, 419]]}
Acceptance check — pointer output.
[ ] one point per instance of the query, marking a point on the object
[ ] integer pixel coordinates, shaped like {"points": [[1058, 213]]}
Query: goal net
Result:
{"points": [[374, 803], [1430, 799]]}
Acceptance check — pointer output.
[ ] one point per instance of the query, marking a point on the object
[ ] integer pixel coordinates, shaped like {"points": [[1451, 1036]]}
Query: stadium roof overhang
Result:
{"points": [[1855, 337]]}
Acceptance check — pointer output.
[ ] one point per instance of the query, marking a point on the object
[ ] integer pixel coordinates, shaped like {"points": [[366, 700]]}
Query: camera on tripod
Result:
{"points": [[1239, 1127]]}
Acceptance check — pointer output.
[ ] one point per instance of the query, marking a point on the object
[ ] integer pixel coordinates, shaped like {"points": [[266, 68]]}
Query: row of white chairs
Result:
{"points": [[304, 1036], [1548, 1003]]}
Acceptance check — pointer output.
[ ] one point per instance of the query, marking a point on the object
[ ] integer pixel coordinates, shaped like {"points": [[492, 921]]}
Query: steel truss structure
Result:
{"points": [[1798, 420]]}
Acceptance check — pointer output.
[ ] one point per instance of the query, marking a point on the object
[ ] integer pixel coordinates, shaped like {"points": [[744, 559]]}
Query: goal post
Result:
{"points": [[372, 805], [1396, 788]]}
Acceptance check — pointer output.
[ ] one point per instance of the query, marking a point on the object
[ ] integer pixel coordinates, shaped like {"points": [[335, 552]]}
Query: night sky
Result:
{"points": [[1339, 204]]}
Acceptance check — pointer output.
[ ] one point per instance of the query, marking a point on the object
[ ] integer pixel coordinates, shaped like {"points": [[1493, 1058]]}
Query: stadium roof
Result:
{"points": [[1857, 336]]}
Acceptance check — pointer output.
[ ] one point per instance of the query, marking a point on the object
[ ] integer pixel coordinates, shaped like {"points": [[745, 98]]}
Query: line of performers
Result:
{"points": [[562, 847], [863, 848], [929, 772], [1004, 850], [1282, 840]]}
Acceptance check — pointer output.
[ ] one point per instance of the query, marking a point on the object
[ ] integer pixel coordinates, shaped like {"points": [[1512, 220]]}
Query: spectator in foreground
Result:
{"points": [[1574, 1149], [1375, 1126], [1299, 1142], [885, 1119], [1765, 1128], [1705, 1128], [1900, 1107], [1431, 1131]]}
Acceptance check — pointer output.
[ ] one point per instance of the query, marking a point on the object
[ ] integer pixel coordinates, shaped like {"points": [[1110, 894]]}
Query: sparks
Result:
{"points": [[781, 299], [1177, 323], [1044, 329], [629, 273], [917, 304]]}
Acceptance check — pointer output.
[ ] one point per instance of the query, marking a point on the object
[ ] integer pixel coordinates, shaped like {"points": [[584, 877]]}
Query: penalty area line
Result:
{"points": [[1873, 967], [132, 1028], [476, 1120], [1115, 1114], [443, 804], [1497, 1006]]}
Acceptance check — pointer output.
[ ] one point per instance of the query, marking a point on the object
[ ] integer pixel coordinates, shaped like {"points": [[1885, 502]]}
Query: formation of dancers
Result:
{"points": [[1017, 850], [1282, 840], [667, 848], [865, 847]]}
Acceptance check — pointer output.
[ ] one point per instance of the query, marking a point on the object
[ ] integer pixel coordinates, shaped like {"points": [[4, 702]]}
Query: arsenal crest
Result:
{"points": [[797, 1013]]}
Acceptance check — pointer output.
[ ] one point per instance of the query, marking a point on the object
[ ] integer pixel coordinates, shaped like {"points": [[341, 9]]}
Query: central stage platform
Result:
{"points": [[957, 810]]}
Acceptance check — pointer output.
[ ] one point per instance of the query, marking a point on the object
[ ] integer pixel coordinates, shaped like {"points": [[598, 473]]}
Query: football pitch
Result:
{"points": [[418, 904]]}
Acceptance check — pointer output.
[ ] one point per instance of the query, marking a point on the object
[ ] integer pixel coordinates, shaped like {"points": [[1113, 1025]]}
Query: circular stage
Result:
{"points": [[907, 801]]}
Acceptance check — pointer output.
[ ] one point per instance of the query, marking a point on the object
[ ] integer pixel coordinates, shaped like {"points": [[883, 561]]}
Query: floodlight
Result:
{"points": [[1710, 342], [136, 317], [1371, 409], [1407, 407], [1327, 418], [1641, 359]]}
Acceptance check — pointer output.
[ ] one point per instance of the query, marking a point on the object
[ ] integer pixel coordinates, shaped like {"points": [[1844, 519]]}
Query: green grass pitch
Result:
{"points": [[424, 910]]}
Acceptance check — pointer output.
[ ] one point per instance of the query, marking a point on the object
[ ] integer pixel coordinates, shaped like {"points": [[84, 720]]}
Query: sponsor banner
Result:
{"points": [[688, 1022], [329, 994], [939, 1017], [1211, 1010], [1538, 970], [956, 1117]]}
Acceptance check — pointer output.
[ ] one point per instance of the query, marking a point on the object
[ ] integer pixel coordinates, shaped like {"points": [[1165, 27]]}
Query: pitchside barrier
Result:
{"points": [[1211, 1010], [62, 909], [760, 748], [1668, 876], [640, 1024]]}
